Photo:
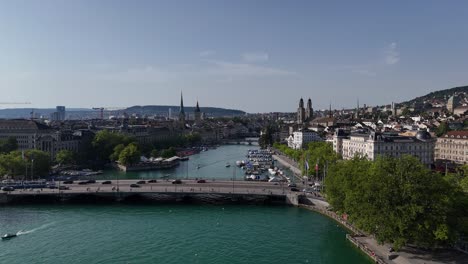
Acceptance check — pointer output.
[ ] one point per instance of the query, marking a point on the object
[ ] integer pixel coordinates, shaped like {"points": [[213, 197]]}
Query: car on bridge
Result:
{"points": [[68, 182], [201, 181], [152, 181], [62, 188], [106, 182], [177, 181], [8, 189], [141, 182], [134, 185], [294, 189]]}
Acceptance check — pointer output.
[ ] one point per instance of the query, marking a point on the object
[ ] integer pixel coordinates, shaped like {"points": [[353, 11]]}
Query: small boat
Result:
{"points": [[228, 165], [8, 236], [198, 167]]}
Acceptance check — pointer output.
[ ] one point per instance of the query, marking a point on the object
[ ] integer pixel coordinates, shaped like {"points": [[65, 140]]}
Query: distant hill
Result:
{"points": [[84, 113], [164, 109], [460, 94]]}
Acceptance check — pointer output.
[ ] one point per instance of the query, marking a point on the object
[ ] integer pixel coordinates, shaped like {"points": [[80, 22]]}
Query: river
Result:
{"points": [[174, 233]]}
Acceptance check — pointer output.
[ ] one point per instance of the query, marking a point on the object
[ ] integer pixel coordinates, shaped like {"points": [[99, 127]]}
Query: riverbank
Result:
{"points": [[377, 252]]}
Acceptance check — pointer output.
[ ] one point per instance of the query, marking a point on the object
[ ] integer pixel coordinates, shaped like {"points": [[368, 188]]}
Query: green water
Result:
{"points": [[212, 166], [172, 234]]}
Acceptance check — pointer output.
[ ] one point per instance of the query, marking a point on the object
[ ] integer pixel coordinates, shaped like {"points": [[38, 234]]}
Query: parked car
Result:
{"points": [[8, 189], [91, 181], [64, 188], [201, 181], [152, 181], [82, 182], [134, 185], [68, 182], [106, 182], [176, 181], [141, 182], [294, 189], [292, 185]]}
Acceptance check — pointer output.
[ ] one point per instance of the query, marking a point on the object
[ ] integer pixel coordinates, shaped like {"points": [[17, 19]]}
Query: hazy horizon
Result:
{"points": [[255, 56]]}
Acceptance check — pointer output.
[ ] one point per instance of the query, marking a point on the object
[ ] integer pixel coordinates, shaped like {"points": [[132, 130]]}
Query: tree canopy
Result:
{"points": [[396, 199], [65, 157], [105, 142], [129, 155], [7, 145]]}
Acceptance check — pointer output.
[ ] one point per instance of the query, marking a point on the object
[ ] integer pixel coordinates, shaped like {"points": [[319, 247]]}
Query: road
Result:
{"points": [[239, 187]]}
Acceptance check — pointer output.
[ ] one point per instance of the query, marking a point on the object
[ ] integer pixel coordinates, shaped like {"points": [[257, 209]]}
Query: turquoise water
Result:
{"points": [[172, 234], [212, 166]]}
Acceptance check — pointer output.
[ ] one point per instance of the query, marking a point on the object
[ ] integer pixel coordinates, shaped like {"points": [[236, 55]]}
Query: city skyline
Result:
{"points": [[229, 54]]}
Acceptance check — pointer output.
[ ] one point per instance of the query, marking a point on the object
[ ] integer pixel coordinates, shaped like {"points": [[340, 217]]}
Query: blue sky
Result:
{"points": [[258, 56]]}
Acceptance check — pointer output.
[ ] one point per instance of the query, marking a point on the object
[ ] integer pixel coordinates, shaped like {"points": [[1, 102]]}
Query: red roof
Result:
{"points": [[463, 134]]}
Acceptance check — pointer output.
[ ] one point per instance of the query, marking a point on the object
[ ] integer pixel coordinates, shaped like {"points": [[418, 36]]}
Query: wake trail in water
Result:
{"points": [[25, 232]]}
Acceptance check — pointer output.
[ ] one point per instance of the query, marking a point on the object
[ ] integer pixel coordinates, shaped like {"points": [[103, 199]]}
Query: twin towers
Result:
{"points": [[304, 114], [182, 117]]}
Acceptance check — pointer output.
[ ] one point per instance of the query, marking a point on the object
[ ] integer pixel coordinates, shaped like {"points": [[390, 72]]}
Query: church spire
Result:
{"points": [[197, 108], [182, 111]]}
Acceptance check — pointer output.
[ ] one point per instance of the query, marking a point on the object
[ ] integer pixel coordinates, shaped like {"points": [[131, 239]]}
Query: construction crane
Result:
{"points": [[14, 103], [102, 109]]}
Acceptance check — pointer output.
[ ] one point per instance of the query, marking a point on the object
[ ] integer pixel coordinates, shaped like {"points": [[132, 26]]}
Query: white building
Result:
{"points": [[299, 139], [453, 146], [374, 144]]}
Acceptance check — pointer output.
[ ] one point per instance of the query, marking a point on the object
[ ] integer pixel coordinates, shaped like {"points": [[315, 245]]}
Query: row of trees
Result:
{"points": [[398, 200], [25, 164]]}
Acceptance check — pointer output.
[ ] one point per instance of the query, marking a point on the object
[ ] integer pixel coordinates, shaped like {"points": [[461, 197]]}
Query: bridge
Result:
{"points": [[214, 191]]}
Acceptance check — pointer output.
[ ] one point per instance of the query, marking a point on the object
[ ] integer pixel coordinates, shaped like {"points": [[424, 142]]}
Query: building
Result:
{"points": [[301, 112], [182, 111], [33, 135], [59, 114], [453, 146], [309, 112], [372, 145], [197, 113], [451, 104], [299, 139]]}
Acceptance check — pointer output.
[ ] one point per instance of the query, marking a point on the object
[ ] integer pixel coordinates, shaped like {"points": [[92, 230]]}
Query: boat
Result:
{"points": [[198, 167], [8, 236], [228, 165]]}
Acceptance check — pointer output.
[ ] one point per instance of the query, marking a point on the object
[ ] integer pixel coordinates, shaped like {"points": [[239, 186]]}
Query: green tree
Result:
{"points": [[442, 129], [65, 157], [117, 150], [168, 153], [40, 161], [7, 145], [154, 153], [129, 155], [105, 141]]}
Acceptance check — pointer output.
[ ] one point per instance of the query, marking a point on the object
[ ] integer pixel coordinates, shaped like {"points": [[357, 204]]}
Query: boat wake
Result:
{"points": [[25, 232]]}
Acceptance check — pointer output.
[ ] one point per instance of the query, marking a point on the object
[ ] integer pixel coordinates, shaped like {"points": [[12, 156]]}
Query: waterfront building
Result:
{"points": [[374, 144], [453, 147], [34, 135], [299, 139]]}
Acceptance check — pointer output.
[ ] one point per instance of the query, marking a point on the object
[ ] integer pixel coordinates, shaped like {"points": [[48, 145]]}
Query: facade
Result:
{"points": [[372, 145], [299, 139], [453, 146], [451, 104], [309, 112], [33, 135], [301, 112]]}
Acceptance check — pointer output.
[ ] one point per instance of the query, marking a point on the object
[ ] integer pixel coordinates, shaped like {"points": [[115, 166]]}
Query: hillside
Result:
{"points": [[460, 93]]}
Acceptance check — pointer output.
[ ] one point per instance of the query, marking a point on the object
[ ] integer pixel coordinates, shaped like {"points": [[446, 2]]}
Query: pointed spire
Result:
{"points": [[197, 108], [181, 103], [330, 111]]}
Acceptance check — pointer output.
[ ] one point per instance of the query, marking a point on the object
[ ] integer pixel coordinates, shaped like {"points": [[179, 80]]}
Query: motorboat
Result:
{"points": [[8, 236], [228, 165]]}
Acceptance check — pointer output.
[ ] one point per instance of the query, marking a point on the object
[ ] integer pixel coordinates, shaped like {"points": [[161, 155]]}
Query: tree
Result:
{"points": [[168, 153], [41, 164], [442, 129], [154, 153], [104, 143], [117, 150], [65, 157], [129, 155], [8, 145], [398, 200]]}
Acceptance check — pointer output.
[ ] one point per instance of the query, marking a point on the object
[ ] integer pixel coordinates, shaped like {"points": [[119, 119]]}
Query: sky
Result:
{"points": [[256, 56]]}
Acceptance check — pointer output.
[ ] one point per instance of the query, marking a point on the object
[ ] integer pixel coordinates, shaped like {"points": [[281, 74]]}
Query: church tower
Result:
{"points": [[182, 111], [301, 112], [309, 112], [197, 113]]}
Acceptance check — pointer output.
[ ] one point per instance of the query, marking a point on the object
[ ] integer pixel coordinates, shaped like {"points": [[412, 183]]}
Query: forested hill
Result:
{"points": [[460, 93], [158, 109]]}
